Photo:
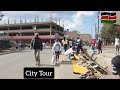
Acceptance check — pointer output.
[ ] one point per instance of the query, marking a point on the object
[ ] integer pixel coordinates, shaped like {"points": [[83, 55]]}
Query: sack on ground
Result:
{"points": [[68, 51]]}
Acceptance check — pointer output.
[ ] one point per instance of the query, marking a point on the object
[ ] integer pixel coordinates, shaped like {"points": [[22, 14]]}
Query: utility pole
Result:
{"points": [[63, 24], [96, 32], [25, 20], [56, 20], [35, 19], [59, 21], [50, 16], [1, 16], [91, 33], [14, 21], [42, 20], [8, 21], [20, 20], [98, 22]]}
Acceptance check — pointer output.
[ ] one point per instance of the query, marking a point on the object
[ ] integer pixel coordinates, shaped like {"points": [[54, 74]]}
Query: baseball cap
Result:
{"points": [[116, 65], [36, 34]]}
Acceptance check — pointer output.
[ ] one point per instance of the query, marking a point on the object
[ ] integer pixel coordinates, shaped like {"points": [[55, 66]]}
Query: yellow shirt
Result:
{"points": [[65, 41]]}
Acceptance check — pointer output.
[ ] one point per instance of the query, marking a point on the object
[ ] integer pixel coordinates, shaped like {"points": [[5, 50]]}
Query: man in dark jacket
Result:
{"points": [[99, 46], [79, 46], [37, 45]]}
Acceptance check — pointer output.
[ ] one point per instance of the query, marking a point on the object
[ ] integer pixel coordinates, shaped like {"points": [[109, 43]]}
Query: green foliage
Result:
{"points": [[108, 31], [4, 44]]}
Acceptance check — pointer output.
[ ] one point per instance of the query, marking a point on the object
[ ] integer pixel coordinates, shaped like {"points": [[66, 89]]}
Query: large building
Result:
{"points": [[72, 34], [85, 37], [24, 32]]}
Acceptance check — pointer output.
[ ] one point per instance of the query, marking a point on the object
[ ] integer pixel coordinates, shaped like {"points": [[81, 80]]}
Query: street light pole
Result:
{"points": [[1, 16], [98, 24]]}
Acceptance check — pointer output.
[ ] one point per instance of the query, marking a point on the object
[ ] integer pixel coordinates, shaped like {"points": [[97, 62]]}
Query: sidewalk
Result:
{"points": [[108, 46], [104, 59], [3, 52]]}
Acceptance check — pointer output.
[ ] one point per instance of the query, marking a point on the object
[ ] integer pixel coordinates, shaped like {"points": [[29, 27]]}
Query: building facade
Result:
{"points": [[85, 37], [72, 34], [24, 32]]}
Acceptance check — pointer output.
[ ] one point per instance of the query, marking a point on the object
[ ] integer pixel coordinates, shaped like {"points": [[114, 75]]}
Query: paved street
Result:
{"points": [[12, 65], [105, 58]]}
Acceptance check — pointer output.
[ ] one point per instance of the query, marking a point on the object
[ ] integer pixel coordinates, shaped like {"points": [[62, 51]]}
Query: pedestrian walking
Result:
{"points": [[56, 49], [37, 45], [99, 46], [70, 43], [93, 48], [65, 44], [117, 44], [80, 46]]}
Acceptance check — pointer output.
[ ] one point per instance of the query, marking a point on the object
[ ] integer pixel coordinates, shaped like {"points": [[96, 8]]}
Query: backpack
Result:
{"points": [[36, 43]]}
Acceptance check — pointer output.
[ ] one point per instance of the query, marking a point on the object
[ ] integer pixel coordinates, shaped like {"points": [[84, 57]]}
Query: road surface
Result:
{"points": [[12, 65]]}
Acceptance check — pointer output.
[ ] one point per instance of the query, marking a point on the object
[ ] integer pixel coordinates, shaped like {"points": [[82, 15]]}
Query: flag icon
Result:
{"points": [[108, 17]]}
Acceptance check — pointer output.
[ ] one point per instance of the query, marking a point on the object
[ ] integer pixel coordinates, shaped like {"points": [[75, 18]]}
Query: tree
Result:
{"points": [[108, 32]]}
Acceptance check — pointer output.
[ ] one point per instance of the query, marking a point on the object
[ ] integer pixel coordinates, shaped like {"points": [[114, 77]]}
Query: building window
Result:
{"points": [[27, 27], [43, 27], [27, 34], [46, 33], [3, 29], [14, 28]]}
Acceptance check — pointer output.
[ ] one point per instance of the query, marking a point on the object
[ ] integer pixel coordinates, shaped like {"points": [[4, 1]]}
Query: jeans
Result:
{"points": [[37, 55]]}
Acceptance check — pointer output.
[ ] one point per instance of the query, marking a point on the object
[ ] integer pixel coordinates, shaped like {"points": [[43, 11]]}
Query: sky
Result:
{"points": [[81, 21]]}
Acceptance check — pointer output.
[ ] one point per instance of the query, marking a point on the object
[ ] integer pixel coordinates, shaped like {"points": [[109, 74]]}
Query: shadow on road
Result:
{"points": [[49, 65], [22, 51]]}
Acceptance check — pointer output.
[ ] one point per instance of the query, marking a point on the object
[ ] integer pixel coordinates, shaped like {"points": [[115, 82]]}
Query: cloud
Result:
{"points": [[73, 19], [78, 17]]}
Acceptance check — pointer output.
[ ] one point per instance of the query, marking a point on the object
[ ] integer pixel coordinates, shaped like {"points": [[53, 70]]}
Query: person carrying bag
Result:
{"points": [[56, 49]]}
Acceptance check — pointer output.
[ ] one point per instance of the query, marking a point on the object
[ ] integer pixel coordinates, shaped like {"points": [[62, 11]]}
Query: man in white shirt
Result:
{"points": [[56, 49], [117, 45], [70, 43]]}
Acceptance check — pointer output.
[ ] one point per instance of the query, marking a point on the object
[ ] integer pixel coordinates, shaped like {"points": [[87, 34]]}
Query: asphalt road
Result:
{"points": [[12, 65]]}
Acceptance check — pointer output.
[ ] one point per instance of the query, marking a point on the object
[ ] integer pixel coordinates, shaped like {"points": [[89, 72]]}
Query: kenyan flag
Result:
{"points": [[108, 17]]}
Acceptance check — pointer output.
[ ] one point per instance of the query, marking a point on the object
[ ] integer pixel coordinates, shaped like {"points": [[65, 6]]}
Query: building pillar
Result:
{"points": [[50, 35], [20, 34], [56, 28], [8, 31], [20, 28], [34, 33]]}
